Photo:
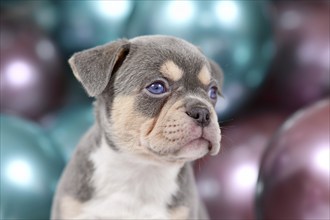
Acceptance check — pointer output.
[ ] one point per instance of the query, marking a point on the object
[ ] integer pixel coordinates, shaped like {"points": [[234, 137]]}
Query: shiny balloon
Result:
{"points": [[227, 183], [102, 21], [70, 125], [30, 168], [295, 171], [236, 34], [300, 72], [42, 13], [31, 71]]}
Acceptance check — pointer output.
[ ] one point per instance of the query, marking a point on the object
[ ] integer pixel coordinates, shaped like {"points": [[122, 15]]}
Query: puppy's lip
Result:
{"points": [[212, 147]]}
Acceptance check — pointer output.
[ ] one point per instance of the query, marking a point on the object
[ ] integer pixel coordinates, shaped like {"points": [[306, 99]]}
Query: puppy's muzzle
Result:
{"points": [[201, 115]]}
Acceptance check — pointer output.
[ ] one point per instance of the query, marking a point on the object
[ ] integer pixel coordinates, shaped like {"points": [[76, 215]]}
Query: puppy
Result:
{"points": [[154, 108]]}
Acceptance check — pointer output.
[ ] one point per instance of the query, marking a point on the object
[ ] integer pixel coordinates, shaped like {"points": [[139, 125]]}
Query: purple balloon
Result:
{"points": [[227, 183], [32, 79], [294, 175], [300, 73]]}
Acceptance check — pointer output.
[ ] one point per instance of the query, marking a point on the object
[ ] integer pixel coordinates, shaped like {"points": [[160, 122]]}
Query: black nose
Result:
{"points": [[201, 115]]}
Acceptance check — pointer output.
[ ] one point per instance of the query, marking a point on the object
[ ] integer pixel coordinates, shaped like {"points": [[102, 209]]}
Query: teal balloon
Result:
{"points": [[236, 34], [30, 169], [69, 127], [86, 24]]}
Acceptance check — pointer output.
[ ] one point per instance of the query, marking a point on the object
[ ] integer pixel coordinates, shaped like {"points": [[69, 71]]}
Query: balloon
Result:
{"points": [[294, 177], [102, 21], [70, 125], [30, 168], [41, 13], [32, 79], [227, 183], [236, 34], [300, 73]]}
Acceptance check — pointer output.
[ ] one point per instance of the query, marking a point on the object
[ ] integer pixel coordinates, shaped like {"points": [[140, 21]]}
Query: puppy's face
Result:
{"points": [[160, 101]]}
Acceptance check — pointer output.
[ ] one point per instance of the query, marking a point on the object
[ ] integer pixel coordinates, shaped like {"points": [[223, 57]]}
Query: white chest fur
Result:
{"points": [[127, 188]]}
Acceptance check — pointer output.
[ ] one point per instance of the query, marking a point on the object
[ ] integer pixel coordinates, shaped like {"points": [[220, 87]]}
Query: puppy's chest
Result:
{"points": [[126, 188]]}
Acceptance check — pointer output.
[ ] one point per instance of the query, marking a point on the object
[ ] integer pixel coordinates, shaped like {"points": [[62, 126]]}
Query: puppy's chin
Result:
{"points": [[193, 150]]}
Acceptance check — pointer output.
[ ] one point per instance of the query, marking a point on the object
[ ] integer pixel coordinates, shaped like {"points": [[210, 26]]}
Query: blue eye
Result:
{"points": [[156, 88], [213, 93]]}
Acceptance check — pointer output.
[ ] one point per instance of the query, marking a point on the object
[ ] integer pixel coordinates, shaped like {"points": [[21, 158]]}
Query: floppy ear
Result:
{"points": [[94, 67], [217, 73]]}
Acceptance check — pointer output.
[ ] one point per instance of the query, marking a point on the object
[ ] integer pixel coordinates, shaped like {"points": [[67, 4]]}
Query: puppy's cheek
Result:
{"points": [[167, 135], [125, 122], [146, 130], [172, 133], [174, 130]]}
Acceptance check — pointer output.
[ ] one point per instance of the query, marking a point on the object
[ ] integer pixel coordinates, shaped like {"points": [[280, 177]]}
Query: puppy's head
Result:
{"points": [[155, 96]]}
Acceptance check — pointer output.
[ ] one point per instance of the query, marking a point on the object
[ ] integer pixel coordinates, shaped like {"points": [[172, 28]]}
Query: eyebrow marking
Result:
{"points": [[204, 76], [172, 71]]}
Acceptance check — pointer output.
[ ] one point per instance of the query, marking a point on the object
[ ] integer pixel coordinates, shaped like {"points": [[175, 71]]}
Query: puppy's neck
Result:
{"points": [[118, 173]]}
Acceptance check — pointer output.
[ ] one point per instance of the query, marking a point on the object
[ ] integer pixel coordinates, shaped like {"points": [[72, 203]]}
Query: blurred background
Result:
{"points": [[274, 161]]}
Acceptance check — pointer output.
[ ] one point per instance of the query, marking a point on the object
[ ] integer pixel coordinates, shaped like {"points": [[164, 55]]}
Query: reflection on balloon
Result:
{"points": [[180, 12], [294, 177], [227, 183], [227, 13], [236, 34], [30, 168], [70, 125], [20, 172], [19, 73], [321, 160], [113, 10]]}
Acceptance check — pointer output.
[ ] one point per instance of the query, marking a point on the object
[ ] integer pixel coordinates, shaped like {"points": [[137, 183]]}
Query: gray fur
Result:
{"points": [[75, 180], [187, 194], [93, 67], [122, 68]]}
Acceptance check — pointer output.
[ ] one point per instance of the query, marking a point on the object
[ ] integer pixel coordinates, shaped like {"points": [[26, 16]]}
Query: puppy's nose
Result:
{"points": [[201, 115]]}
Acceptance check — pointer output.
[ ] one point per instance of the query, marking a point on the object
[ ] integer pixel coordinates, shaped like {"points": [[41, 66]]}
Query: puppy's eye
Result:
{"points": [[213, 93], [156, 88]]}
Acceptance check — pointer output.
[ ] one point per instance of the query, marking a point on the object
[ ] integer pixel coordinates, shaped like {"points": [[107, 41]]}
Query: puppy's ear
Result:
{"points": [[94, 67], [217, 73]]}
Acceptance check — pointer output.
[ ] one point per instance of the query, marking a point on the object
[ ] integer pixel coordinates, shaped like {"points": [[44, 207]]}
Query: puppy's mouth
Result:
{"points": [[193, 149], [184, 142]]}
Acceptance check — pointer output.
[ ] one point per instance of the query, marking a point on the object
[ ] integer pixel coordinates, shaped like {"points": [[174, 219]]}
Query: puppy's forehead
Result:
{"points": [[151, 58], [172, 57]]}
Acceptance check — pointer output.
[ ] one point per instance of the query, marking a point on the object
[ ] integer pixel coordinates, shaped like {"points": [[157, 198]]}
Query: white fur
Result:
{"points": [[128, 188]]}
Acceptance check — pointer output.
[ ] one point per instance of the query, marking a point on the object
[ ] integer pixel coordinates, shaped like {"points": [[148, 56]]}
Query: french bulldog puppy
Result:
{"points": [[154, 109]]}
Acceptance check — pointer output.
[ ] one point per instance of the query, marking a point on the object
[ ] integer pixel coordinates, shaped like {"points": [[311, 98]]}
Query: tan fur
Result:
{"points": [[126, 122], [165, 134], [171, 71], [127, 126], [70, 208], [204, 76], [168, 130], [181, 212]]}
